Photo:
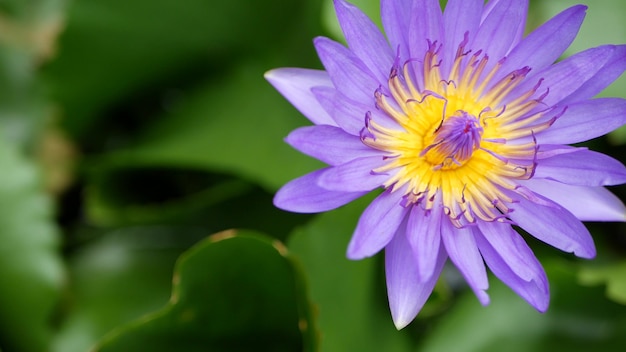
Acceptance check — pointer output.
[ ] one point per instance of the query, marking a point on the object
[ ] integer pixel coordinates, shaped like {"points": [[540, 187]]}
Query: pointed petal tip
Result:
{"points": [[356, 252], [353, 254], [268, 75], [581, 7], [541, 299], [281, 201], [576, 8], [585, 250], [321, 40], [402, 322], [483, 297], [275, 75], [542, 306], [586, 253]]}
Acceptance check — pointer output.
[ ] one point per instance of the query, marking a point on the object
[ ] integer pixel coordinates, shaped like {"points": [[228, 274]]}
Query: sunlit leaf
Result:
{"points": [[612, 275], [31, 271]]}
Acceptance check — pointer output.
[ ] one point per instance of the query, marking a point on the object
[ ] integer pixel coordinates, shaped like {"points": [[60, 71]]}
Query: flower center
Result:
{"points": [[450, 143], [454, 142]]}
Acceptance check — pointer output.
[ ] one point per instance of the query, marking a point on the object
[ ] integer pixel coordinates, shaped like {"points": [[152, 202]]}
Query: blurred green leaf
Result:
{"points": [[28, 30], [159, 195], [21, 107], [579, 319], [349, 295], [31, 271], [235, 126], [146, 195], [175, 99], [612, 275], [116, 278], [114, 50], [235, 291], [30, 10]]}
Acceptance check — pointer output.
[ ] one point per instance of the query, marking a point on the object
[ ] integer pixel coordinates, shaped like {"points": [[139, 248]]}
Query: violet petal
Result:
{"points": [[426, 24], [377, 225], [582, 168], [424, 235], [553, 225], [599, 203], [510, 246], [354, 176], [407, 295], [303, 195], [329, 144], [610, 71], [349, 114], [566, 77], [545, 44], [459, 17], [295, 85], [365, 40], [534, 290], [349, 75], [502, 23], [585, 120], [396, 23], [461, 247]]}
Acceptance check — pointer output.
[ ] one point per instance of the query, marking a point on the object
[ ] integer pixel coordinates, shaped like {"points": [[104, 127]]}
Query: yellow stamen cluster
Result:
{"points": [[454, 146]]}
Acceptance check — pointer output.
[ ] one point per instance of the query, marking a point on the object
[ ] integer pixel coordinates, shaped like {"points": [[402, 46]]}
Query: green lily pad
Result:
{"points": [[235, 291], [116, 277]]}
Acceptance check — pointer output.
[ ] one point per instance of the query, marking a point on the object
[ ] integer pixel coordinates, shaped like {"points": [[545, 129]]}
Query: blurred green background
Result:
{"points": [[132, 131]]}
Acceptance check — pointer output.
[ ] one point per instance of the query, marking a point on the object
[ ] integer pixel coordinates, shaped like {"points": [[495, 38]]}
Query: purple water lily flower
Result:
{"points": [[463, 123]]}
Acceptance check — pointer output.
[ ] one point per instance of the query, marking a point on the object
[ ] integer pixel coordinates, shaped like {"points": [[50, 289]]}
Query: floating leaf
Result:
{"points": [[116, 277], [235, 291]]}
